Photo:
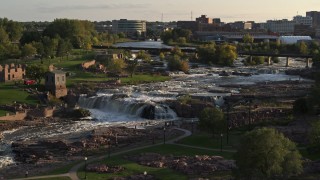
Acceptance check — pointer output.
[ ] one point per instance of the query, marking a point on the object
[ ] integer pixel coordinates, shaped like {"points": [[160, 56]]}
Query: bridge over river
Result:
{"points": [[270, 55], [162, 49], [159, 47]]}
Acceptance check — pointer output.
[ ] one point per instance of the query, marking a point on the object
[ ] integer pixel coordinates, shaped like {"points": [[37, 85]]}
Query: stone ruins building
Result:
{"points": [[12, 72], [55, 83]]}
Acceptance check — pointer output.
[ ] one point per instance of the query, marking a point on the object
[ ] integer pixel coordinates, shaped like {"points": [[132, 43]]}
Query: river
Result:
{"points": [[126, 105]]}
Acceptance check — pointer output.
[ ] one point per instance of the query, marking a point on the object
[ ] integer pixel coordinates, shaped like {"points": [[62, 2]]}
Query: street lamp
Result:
{"points": [[221, 135], [249, 101], [117, 140], [192, 126], [164, 135], [109, 146], [228, 120], [145, 174], [85, 167]]}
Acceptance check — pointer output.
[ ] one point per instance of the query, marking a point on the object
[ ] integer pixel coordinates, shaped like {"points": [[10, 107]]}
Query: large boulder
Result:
{"points": [[191, 110]]}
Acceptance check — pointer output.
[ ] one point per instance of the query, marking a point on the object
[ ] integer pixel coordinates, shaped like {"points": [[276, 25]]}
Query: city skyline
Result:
{"points": [[102, 10]]}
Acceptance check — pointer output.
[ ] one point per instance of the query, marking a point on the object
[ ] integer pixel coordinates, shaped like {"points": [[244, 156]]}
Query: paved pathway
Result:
{"points": [[73, 171]]}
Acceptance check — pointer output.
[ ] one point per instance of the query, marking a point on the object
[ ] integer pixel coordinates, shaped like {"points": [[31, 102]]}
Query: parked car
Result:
{"points": [[29, 82]]}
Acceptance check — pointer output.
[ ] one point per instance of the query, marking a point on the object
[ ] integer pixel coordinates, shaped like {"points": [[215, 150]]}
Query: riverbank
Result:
{"points": [[43, 156]]}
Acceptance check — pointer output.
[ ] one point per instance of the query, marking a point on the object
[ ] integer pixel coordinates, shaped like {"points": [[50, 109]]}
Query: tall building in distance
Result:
{"points": [[203, 19], [283, 27], [129, 27], [315, 15], [303, 20]]}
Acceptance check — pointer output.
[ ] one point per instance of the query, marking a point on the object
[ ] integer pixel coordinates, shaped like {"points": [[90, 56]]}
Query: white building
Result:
{"points": [[303, 20]]}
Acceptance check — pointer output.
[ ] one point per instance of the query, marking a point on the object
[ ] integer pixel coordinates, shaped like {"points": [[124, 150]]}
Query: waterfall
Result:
{"points": [[128, 107]]}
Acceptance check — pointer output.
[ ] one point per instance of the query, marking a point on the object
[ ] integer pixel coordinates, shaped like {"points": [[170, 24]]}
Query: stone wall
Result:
{"points": [[87, 64], [41, 112], [19, 116], [12, 72], [34, 113]]}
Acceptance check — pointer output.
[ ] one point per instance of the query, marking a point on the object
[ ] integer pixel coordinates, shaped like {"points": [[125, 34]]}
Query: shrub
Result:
{"points": [[275, 59], [301, 106], [256, 60]]}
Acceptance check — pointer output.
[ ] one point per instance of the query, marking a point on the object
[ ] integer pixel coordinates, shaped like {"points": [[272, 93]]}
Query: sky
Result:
{"points": [[152, 10]]}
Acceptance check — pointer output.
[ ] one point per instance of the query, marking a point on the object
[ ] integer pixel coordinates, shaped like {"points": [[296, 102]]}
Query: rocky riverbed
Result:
{"points": [[38, 156]]}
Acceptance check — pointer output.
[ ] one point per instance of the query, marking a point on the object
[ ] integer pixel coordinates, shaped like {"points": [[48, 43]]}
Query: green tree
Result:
{"points": [[177, 51], [303, 48], [161, 56], [212, 120], [14, 29], [184, 66], [13, 51], [30, 36], [36, 72], [64, 47], [27, 51], [79, 32], [182, 40], [122, 35], [227, 54], [144, 56], [116, 65], [207, 53], [4, 37], [266, 154], [166, 36], [132, 67], [174, 63], [49, 47], [314, 136], [39, 47], [247, 38]]}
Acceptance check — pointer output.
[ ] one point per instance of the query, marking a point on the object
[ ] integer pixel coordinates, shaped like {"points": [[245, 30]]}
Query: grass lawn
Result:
{"points": [[306, 154], [2, 112], [10, 93], [61, 170], [73, 65], [132, 168], [206, 140]]}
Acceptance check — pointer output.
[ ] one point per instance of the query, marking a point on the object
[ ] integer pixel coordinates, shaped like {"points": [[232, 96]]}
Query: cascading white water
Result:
{"points": [[124, 107]]}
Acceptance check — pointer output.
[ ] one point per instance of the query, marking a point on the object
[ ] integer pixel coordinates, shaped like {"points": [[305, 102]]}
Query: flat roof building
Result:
{"points": [[129, 27], [281, 26], [303, 20], [315, 18], [204, 19]]}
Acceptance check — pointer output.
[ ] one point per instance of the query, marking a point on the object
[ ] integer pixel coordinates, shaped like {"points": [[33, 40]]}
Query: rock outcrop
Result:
{"points": [[197, 165]]}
